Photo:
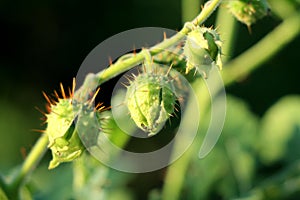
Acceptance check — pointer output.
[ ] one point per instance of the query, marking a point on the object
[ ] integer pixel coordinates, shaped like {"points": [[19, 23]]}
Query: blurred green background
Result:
{"points": [[44, 42]]}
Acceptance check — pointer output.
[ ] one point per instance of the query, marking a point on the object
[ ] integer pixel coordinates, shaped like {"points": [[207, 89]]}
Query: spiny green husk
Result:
{"points": [[248, 11], [150, 100], [64, 141], [202, 50]]}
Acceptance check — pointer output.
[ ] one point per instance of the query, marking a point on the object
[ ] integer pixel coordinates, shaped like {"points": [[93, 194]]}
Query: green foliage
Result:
{"points": [[255, 158], [279, 137], [229, 169]]}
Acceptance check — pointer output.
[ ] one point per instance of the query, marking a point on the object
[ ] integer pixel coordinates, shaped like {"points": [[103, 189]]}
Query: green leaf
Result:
{"points": [[229, 169], [51, 184], [280, 131]]}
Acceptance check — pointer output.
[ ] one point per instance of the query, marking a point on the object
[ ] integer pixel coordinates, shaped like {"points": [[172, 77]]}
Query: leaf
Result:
{"points": [[53, 184], [229, 169], [95, 181], [280, 131]]}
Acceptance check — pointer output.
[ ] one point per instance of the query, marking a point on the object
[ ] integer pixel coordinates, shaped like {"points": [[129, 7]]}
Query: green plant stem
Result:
{"points": [[175, 176], [234, 70], [29, 164], [226, 25], [263, 50], [124, 64], [286, 183], [189, 9]]}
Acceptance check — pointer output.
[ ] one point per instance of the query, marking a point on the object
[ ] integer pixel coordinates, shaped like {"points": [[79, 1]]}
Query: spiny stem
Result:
{"points": [[29, 164], [123, 65]]}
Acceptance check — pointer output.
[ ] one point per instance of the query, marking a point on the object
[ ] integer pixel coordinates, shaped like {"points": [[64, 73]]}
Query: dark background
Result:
{"points": [[44, 43]]}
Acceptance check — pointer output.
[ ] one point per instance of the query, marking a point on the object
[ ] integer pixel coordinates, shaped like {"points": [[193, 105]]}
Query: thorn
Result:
{"points": [[110, 61], [98, 105], [107, 108], [48, 108], [195, 72], [165, 35], [128, 78], [70, 92], [133, 75], [73, 86], [55, 113], [94, 96], [176, 109], [175, 114], [38, 130], [124, 85], [62, 91], [134, 50], [46, 97], [37, 108], [249, 29], [56, 95], [43, 118], [169, 69]]}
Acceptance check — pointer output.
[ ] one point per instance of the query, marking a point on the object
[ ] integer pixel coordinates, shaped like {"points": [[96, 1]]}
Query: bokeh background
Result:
{"points": [[43, 43]]}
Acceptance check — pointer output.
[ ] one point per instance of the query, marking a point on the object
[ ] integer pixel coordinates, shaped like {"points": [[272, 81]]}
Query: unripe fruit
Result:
{"points": [[202, 49], [63, 138], [248, 11], [150, 100], [66, 118]]}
